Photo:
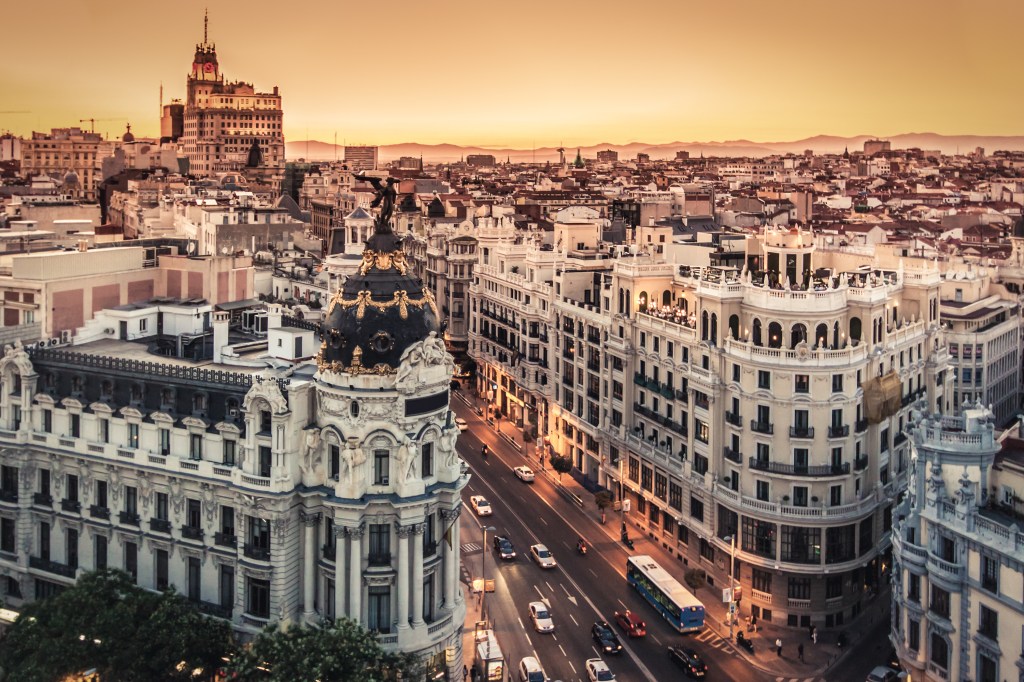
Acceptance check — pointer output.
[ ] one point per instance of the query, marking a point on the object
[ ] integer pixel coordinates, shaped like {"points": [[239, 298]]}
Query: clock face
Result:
{"points": [[208, 67]]}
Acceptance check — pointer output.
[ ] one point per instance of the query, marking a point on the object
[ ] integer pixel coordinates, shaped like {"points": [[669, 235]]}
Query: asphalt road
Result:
{"points": [[580, 591]]}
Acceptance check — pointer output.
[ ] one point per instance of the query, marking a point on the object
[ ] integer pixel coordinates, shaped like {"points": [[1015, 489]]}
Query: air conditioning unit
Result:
{"points": [[54, 341], [108, 330], [41, 344], [65, 336]]}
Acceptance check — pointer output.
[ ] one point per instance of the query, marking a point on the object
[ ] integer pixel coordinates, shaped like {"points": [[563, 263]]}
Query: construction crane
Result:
{"points": [[92, 122]]}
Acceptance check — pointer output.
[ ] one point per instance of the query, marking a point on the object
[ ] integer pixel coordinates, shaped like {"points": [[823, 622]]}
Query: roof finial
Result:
{"points": [[206, 22]]}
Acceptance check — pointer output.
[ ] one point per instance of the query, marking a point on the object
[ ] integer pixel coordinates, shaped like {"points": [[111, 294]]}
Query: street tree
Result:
{"points": [[329, 652], [562, 465], [105, 621]]}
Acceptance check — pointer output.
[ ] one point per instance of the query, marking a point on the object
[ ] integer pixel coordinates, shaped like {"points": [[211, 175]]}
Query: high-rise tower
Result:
{"points": [[223, 120]]}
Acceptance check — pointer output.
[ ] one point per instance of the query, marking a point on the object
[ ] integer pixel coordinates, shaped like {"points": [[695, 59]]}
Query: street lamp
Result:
{"points": [[483, 569], [732, 581]]}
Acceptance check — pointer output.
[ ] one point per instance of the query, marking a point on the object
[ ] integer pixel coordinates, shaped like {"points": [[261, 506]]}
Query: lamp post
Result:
{"points": [[483, 569], [732, 581]]}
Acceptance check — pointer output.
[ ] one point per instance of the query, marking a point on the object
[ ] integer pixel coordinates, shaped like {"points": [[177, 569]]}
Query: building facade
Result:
{"points": [[70, 155], [957, 590]]}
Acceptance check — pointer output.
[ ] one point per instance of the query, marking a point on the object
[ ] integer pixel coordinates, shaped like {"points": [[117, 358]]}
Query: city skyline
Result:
{"points": [[542, 75]]}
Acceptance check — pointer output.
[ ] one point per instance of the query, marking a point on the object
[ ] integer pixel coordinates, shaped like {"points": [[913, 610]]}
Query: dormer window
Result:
{"points": [[167, 399], [76, 385], [199, 403], [106, 389], [135, 394]]}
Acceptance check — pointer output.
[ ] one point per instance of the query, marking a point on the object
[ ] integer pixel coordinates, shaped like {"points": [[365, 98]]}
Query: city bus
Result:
{"points": [[675, 603]]}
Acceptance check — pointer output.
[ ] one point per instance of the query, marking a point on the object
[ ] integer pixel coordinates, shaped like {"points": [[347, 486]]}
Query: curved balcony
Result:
{"points": [[798, 470]]}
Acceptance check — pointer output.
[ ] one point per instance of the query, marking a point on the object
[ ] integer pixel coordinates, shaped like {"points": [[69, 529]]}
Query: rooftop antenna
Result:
{"points": [[335, 146], [206, 22]]}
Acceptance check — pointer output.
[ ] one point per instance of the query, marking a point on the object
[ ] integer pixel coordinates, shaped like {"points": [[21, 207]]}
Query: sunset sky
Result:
{"points": [[525, 73]]}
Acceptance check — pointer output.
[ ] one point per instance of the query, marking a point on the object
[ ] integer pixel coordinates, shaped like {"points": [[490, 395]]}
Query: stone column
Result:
{"points": [[309, 564], [355, 573], [417, 575], [450, 588], [339, 571], [403, 575]]}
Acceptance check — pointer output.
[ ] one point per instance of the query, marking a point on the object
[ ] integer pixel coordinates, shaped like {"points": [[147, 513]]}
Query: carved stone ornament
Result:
{"points": [[429, 352], [266, 389], [14, 354]]}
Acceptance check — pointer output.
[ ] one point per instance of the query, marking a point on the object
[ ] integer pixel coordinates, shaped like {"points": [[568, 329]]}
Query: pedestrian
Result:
{"points": [[814, 636], [465, 673], [800, 652], [778, 647], [810, 631]]}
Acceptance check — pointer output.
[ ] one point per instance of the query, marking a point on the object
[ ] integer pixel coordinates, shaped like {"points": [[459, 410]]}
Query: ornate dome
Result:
{"points": [[379, 312]]}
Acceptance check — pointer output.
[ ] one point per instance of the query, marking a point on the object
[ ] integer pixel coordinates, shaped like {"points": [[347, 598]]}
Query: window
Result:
{"points": [[131, 500], [75, 425], [940, 602], [100, 552], [133, 435], [193, 518], [427, 460], [865, 536], [164, 437], [833, 586], [265, 421], [378, 607], [380, 543], [799, 588], [762, 490], [227, 521], [837, 383], [913, 634], [696, 508], [257, 600], [72, 488], [940, 651], [160, 508], [195, 446], [990, 574], [227, 587], [103, 430], [839, 544], [161, 569], [7, 536], [646, 478], [381, 461], [802, 383], [131, 560], [764, 379], [835, 495], [675, 496], [988, 623], [48, 421], [801, 544], [700, 463], [265, 461], [259, 533], [759, 537], [914, 588], [987, 668], [194, 577], [230, 450], [101, 494], [761, 580], [736, 373]]}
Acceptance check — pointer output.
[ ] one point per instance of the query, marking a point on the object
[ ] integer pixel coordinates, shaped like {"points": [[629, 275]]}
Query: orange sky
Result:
{"points": [[527, 73]]}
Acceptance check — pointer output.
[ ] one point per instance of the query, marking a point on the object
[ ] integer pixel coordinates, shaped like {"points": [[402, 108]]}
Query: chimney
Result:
{"points": [[220, 334], [273, 317]]}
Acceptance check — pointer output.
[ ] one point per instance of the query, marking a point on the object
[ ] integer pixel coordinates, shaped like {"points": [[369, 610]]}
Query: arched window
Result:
{"points": [[704, 326], [353, 409], [734, 326], [622, 306], [199, 402], [798, 334], [666, 298], [629, 302], [855, 329], [714, 329], [756, 334], [835, 334], [940, 651], [641, 302], [821, 336], [683, 304], [775, 335]]}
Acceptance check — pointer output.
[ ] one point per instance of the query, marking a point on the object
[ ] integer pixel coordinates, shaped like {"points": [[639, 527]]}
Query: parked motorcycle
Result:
{"points": [[744, 641]]}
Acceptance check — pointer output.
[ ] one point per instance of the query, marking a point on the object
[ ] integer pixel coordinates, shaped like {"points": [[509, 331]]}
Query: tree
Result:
{"points": [[108, 623], [603, 500], [339, 651], [562, 465]]}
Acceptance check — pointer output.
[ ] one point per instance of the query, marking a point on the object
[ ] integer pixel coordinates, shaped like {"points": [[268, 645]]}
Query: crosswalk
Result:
{"points": [[708, 636], [470, 547]]}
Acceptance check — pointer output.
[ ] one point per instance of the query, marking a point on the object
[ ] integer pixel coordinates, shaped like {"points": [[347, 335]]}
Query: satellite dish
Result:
{"points": [[191, 248]]}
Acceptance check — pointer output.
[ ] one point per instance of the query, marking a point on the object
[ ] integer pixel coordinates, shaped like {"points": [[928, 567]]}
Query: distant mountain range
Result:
{"points": [[315, 150]]}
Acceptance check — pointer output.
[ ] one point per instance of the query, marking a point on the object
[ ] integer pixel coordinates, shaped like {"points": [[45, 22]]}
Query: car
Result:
{"points": [[541, 617], [631, 623], [524, 473], [530, 670], [598, 671], [503, 546], [882, 674], [689, 661], [605, 638], [480, 505], [461, 423], [893, 661], [542, 555]]}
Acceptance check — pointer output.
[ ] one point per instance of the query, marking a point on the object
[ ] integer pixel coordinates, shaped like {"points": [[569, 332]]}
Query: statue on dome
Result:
{"points": [[385, 198]]}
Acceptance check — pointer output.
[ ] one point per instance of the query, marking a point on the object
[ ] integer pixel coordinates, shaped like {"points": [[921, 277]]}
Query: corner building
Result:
{"points": [[324, 491], [764, 405]]}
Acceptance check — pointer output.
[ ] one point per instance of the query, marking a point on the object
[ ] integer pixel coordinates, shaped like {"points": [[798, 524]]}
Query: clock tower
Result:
{"points": [[204, 64]]}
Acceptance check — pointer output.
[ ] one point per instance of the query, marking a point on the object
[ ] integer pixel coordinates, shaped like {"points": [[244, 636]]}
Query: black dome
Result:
{"points": [[379, 312]]}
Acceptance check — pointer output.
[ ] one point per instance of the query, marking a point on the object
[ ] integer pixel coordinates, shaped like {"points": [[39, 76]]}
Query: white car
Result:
{"points": [[530, 670], [598, 671], [541, 617], [542, 555], [480, 505], [461, 423], [524, 473]]}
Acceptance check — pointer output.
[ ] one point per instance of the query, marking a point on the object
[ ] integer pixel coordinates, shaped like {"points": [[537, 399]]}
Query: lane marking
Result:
{"points": [[655, 638], [623, 604], [551, 589], [571, 666], [574, 620], [539, 592], [563, 652]]}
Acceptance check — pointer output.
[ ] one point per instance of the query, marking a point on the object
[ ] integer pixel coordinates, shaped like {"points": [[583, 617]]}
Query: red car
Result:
{"points": [[631, 623]]}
